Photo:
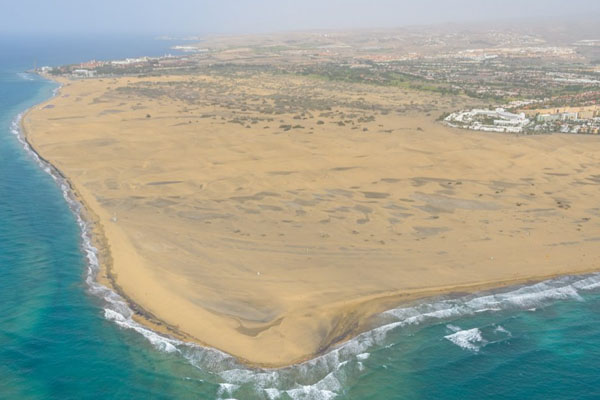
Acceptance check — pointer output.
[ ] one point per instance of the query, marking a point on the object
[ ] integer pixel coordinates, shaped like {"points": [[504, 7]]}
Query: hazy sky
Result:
{"points": [[216, 16]]}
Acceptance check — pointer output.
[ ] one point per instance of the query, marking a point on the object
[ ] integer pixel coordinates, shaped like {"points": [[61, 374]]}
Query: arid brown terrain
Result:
{"points": [[273, 215]]}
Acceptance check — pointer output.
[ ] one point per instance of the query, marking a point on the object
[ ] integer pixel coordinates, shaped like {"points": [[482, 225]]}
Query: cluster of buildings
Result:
{"points": [[190, 49], [498, 120], [93, 68], [501, 73], [567, 119], [83, 73], [525, 52], [564, 113], [83, 70], [585, 120]]}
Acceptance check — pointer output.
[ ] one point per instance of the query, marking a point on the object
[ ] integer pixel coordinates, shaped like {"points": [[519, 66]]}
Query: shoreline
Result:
{"points": [[383, 301], [91, 229]]}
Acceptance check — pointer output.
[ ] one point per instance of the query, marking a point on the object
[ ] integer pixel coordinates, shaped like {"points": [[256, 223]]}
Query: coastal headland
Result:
{"points": [[273, 216]]}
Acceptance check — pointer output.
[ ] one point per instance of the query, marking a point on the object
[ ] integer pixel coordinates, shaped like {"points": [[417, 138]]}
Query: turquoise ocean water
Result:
{"points": [[63, 337]]}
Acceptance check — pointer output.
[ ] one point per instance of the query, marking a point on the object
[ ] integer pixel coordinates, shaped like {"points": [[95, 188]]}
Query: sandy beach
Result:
{"points": [[272, 217]]}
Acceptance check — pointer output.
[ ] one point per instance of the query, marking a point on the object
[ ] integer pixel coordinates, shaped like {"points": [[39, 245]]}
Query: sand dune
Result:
{"points": [[273, 217]]}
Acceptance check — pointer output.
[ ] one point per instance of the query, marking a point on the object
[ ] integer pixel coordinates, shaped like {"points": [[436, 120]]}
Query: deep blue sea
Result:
{"points": [[64, 338]]}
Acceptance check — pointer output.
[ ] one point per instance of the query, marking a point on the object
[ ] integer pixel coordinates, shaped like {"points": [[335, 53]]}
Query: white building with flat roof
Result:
{"points": [[83, 73], [498, 120]]}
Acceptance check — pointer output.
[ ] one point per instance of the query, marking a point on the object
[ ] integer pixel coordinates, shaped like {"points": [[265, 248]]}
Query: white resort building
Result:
{"points": [[498, 120]]}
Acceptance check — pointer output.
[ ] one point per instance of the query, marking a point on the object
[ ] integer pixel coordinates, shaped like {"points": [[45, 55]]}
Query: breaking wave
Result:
{"points": [[475, 339], [469, 339]]}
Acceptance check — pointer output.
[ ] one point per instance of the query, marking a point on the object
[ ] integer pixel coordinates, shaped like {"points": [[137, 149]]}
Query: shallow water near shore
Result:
{"points": [[62, 337]]}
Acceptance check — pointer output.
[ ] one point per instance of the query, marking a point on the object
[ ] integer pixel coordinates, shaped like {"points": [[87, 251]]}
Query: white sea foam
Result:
{"points": [[227, 389], [476, 338], [310, 392], [272, 393], [469, 339], [589, 283], [501, 329], [324, 376]]}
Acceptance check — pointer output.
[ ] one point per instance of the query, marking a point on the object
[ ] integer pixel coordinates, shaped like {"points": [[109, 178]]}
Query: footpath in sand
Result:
{"points": [[273, 216]]}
